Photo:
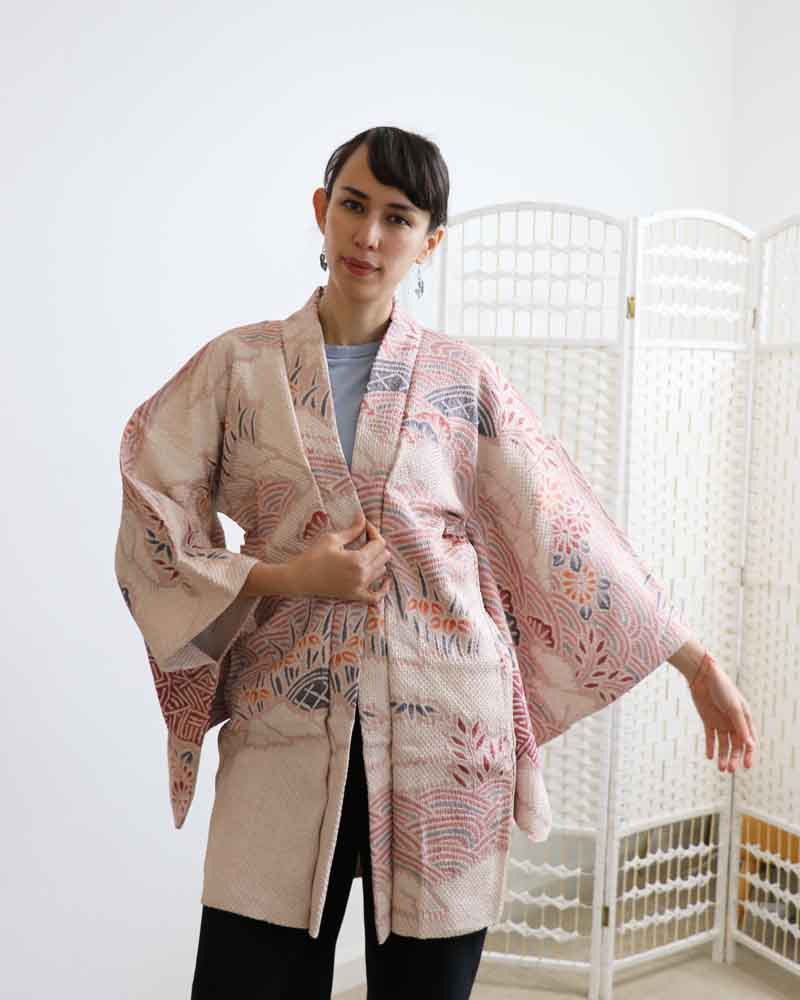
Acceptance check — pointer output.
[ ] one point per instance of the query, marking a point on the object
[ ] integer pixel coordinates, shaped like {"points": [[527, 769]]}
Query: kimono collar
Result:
{"points": [[345, 491]]}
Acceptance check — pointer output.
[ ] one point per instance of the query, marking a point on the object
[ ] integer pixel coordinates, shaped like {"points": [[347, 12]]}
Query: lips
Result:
{"points": [[357, 267]]}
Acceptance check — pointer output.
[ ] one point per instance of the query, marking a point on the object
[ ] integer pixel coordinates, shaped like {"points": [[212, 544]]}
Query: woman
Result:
{"points": [[390, 732]]}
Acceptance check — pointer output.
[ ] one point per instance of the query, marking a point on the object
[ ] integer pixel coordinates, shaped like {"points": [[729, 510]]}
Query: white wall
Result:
{"points": [[765, 163], [160, 161]]}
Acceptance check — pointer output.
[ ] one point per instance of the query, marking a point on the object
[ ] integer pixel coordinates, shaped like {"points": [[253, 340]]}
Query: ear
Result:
{"points": [[320, 202], [432, 242]]}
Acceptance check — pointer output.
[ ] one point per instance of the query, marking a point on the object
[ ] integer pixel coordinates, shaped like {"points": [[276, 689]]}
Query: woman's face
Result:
{"points": [[366, 220]]}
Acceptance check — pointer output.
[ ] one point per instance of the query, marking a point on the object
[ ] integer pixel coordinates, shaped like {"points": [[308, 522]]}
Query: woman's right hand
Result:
{"points": [[725, 714], [327, 569]]}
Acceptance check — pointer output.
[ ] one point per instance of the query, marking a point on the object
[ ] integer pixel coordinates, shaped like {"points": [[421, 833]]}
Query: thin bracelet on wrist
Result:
{"points": [[705, 665]]}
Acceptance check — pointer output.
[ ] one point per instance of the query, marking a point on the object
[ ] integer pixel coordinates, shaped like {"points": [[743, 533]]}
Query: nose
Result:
{"points": [[368, 234]]}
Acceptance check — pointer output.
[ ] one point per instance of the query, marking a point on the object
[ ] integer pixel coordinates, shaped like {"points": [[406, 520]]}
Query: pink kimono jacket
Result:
{"points": [[517, 607]]}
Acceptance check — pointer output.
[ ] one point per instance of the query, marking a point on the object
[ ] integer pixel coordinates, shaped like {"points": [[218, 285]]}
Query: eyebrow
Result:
{"points": [[403, 206]]}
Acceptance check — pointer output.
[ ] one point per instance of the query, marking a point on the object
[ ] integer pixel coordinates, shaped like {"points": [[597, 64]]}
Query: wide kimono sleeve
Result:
{"points": [[180, 583], [587, 618]]}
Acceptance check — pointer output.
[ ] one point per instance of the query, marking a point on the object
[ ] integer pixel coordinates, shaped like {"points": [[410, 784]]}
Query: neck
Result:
{"points": [[346, 322]]}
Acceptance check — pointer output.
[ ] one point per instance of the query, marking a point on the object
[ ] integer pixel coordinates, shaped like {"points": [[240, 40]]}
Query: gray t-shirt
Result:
{"points": [[349, 366]]}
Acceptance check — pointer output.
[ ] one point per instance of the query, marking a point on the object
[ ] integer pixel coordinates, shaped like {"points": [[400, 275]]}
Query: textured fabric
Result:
{"points": [[517, 607], [292, 964]]}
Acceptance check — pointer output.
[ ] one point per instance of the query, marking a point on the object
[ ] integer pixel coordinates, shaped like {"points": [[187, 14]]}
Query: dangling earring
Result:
{"points": [[420, 283], [323, 260]]}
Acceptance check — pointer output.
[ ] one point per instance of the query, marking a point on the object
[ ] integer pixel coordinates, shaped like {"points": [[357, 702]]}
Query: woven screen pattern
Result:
{"points": [[767, 801], [529, 271], [686, 489], [686, 492], [693, 281]]}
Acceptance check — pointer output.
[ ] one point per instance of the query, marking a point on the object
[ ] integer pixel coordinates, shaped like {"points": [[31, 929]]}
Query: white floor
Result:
{"points": [[751, 977]]}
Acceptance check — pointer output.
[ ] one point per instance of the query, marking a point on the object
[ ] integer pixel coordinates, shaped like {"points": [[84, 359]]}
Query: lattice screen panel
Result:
{"points": [[686, 423], [658, 411], [765, 889]]}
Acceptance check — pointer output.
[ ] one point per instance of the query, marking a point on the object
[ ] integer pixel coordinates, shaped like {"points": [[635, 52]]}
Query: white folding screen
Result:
{"points": [[764, 890], [635, 342], [691, 351]]}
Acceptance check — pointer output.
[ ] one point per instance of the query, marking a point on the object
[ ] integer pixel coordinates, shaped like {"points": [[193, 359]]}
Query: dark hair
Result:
{"points": [[404, 160]]}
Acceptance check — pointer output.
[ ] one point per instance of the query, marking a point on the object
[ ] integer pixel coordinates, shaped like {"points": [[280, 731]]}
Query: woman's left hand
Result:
{"points": [[726, 714]]}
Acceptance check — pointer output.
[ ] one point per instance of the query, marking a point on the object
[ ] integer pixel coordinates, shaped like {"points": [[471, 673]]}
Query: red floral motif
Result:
{"points": [[182, 778], [507, 602], [476, 757], [254, 695], [549, 499], [438, 620], [300, 649], [425, 606], [448, 625], [568, 531], [161, 551], [590, 655], [542, 632], [350, 653], [515, 414], [580, 585], [375, 619]]}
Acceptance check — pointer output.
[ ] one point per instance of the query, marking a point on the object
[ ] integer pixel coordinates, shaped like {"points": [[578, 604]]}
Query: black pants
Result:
{"points": [[271, 962]]}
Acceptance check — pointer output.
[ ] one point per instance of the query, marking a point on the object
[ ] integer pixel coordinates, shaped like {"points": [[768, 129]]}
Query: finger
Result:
{"points": [[753, 738], [751, 724], [749, 746], [736, 754], [724, 743], [352, 530], [375, 544], [741, 738], [709, 743], [372, 531], [381, 558], [745, 740], [373, 552]]}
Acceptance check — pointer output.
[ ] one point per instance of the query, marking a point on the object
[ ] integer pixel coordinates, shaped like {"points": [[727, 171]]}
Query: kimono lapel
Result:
{"points": [[346, 490]]}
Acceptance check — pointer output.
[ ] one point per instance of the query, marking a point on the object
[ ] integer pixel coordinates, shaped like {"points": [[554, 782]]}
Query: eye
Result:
{"points": [[351, 201]]}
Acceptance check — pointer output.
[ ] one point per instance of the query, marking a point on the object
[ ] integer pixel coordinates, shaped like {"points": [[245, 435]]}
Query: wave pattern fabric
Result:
{"points": [[517, 607]]}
